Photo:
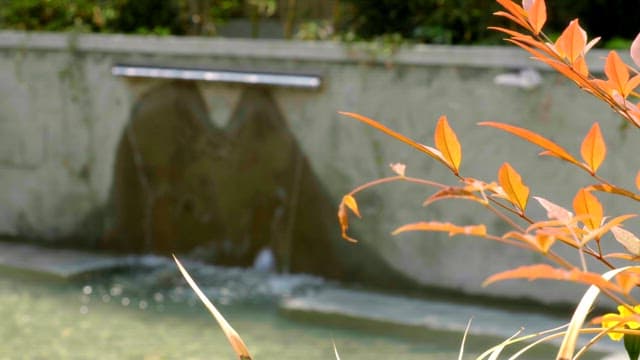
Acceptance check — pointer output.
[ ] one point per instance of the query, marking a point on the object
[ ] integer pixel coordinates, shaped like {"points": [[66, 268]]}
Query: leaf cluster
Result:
{"points": [[583, 226]]}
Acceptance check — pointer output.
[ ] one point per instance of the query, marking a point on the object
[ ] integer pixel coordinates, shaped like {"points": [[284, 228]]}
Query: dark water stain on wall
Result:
{"points": [[183, 185]]}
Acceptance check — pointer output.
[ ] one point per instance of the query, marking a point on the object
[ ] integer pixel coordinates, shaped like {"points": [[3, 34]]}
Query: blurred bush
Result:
{"points": [[465, 21], [426, 21]]}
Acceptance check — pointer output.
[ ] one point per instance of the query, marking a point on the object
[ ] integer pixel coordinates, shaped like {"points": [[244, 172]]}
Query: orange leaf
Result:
{"points": [[447, 142], [544, 271], [544, 241], [533, 138], [478, 230], [515, 10], [351, 203], [617, 72], [555, 211], [396, 135], [572, 42], [593, 148], [638, 180], [613, 189], [537, 13], [599, 232], [452, 193], [513, 186], [587, 205], [343, 219], [635, 50], [628, 281]]}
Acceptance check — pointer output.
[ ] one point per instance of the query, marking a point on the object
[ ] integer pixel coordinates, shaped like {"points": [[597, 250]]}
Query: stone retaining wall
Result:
{"points": [[62, 116]]}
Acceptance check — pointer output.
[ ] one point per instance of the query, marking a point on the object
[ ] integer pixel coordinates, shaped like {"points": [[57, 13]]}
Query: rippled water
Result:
{"points": [[149, 313]]}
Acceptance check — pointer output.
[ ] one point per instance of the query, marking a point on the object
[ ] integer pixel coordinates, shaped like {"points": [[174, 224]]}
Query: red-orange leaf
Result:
{"points": [[593, 148], [572, 42], [513, 186], [447, 142], [587, 205], [537, 14], [544, 271], [535, 139], [515, 10], [638, 180], [396, 135], [478, 230], [617, 72]]}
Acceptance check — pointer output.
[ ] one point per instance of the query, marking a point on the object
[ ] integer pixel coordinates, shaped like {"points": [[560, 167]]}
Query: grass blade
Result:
{"points": [[464, 339], [234, 339]]}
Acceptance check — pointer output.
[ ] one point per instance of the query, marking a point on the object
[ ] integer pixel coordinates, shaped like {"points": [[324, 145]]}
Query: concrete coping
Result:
{"points": [[304, 51]]}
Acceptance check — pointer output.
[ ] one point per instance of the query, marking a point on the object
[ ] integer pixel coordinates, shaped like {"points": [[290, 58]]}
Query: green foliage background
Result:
{"points": [[425, 21]]}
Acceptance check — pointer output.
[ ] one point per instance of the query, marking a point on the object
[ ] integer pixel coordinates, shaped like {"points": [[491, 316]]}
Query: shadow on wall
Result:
{"points": [[183, 185]]}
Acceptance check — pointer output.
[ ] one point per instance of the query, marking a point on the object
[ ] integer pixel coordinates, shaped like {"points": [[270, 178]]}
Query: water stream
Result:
{"points": [[148, 313]]}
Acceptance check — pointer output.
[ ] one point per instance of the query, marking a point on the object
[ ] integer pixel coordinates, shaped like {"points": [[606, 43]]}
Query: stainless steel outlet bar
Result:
{"points": [[227, 76]]}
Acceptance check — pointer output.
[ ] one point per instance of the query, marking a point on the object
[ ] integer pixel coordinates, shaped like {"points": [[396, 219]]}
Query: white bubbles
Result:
{"points": [[142, 305], [87, 290], [116, 290], [158, 297], [125, 301]]}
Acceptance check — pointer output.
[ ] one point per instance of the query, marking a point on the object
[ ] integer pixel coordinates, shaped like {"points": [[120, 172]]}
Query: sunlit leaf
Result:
{"points": [[627, 239], [452, 193], [635, 50], [478, 230], [602, 230], [232, 336], [351, 203], [554, 211], [613, 189], [572, 42], [537, 13], [593, 148], [638, 180], [587, 205], [343, 219], [533, 138], [416, 145], [447, 142], [628, 281], [513, 186], [398, 168], [548, 272], [544, 241], [617, 72], [515, 10]]}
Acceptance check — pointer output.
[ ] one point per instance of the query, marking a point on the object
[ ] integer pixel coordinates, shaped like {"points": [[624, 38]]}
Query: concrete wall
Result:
{"points": [[62, 114]]}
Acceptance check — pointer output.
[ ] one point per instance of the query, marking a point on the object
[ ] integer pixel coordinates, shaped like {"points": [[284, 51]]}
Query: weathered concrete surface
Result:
{"points": [[386, 311], [62, 264], [63, 115]]}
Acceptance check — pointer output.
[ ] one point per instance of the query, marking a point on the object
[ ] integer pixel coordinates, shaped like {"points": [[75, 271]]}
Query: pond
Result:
{"points": [[149, 313]]}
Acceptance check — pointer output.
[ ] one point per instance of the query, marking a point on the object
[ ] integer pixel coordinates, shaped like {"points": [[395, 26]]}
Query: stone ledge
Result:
{"points": [[390, 311], [322, 51]]}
